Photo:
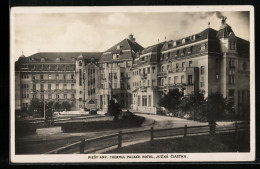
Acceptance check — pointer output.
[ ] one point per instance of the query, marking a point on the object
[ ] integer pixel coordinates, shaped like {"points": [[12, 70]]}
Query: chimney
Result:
{"points": [[131, 37], [223, 20]]}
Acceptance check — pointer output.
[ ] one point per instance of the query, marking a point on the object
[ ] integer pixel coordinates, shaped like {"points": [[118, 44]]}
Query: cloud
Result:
{"points": [[115, 19]]}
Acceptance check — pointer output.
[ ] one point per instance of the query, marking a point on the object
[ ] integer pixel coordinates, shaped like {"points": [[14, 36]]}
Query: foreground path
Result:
{"points": [[38, 144]]}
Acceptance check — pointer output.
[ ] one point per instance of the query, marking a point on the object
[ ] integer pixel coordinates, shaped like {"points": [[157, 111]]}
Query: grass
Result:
{"points": [[223, 142]]}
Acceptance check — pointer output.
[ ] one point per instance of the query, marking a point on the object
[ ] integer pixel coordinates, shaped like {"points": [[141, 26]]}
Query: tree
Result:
{"points": [[35, 106], [66, 105], [194, 103], [216, 107], [114, 109], [57, 106], [171, 100]]}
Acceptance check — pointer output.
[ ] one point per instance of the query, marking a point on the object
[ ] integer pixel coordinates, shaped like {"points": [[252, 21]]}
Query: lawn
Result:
{"points": [[223, 142]]}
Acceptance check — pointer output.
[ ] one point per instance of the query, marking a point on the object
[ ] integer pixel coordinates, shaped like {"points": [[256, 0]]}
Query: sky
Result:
{"points": [[97, 32]]}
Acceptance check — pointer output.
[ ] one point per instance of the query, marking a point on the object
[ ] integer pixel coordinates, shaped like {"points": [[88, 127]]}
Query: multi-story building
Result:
{"points": [[210, 61], [52, 77], [145, 81], [115, 69]]}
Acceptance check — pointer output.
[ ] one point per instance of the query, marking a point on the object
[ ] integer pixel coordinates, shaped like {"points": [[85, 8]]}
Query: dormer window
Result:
{"points": [[177, 53], [118, 47], [115, 56], [203, 47], [174, 43], [232, 45], [57, 59], [143, 59], [193, 37], [183, 41], [73, 59], [42, 59]]}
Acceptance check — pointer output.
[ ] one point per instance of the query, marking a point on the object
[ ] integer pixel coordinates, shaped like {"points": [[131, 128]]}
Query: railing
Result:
{"points": [[84, 145]]}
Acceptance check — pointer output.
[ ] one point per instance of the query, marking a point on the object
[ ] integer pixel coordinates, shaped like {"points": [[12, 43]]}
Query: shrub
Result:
{"points": [[24, 128], [93, 112]]}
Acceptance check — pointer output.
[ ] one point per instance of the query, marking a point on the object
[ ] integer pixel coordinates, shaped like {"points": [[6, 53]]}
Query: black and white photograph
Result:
{"points": [[132, 84]]}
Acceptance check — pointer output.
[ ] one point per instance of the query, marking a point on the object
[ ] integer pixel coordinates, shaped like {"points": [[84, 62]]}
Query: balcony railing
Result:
{"points": [[72, 91], [162, 73], [54, 80]]}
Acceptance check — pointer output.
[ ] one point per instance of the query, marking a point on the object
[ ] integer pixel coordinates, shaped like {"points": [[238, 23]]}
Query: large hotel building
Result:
{"points": [[210, 61]]}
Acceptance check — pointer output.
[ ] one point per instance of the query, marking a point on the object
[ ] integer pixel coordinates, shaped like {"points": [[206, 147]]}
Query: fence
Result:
{"points": [[90, 145]]}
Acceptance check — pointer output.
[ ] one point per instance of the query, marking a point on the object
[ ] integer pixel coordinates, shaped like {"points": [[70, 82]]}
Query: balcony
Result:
{"points": [[54, 80], [143, 76], [162, 74]]}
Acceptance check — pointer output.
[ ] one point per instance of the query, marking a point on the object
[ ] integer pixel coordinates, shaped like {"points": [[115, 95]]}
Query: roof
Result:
{"points": [[208, 33], [126, 44], [64, 56], [224, 31]]}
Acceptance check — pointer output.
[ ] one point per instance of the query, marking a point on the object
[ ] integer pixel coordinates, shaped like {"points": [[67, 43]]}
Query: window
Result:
{"points": [[42, 96], [34, 87], [122, 74], [162, 81], [153, 69], [49, 77], [57, 59], [49, 96], [115, 56], [41, 77], [144, 100], [148, 82], [202, 47], [177, 53], [65, 96], [190, 63], [177, 66], [128, 64], [57, 77], [115, 75], [202, 84], [72, 86], [122, 86], [57, 86], [80, 78], [65, 86], [231, 79], [148, 70], [72, 76], [162, 68], [143, 70], [57, 97], [80, 63], [49, 86], [33, 77], [231, 63], [189, 79], [232, 45], [202, 70], [72, 96], [182, 78], [175, 79], [42, 87], [183, 64], [64, 77], [149, 100]]}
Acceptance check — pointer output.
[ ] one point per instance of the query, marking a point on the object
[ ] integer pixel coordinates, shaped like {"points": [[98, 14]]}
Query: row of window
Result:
{"points": [[136, 84], [146, 100], [49, 86], [182, 52], [55, 67], [144, 71], [54, 76], [113, 65], [65, 96], [91, 91]]}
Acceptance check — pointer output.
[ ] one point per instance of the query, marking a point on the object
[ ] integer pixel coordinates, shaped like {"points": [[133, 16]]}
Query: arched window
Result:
{"points": [[80, 63]]}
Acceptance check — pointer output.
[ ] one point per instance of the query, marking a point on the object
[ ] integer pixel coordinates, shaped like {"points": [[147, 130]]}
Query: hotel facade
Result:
{"points": [[210, 61]]}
